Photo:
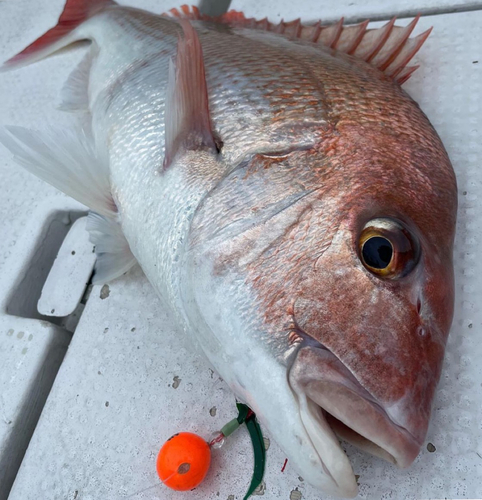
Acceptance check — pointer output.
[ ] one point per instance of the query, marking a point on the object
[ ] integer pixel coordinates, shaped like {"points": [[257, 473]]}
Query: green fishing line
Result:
{"points": [[249, 418]]}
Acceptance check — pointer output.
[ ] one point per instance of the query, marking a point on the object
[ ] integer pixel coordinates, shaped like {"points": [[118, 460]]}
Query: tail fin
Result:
{"points": [[74, 14]]}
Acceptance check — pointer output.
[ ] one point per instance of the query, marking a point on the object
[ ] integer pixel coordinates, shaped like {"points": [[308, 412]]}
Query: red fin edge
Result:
{"points": [[388, 48], [75, 13]]}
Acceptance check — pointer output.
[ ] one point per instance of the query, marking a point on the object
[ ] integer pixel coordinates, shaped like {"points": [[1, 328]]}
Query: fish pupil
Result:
{"points": [[377, 252]]}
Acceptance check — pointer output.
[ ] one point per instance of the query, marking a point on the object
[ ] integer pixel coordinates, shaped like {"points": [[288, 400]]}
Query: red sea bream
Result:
{"points": [[285, 197]]}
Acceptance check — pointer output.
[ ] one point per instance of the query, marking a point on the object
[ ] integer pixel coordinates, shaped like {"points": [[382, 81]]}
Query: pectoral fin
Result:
{"points": [[188, 124], [114, 256]]}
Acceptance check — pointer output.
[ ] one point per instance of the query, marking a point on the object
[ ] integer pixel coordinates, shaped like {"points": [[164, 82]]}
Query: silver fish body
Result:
{"points": [[127, 100], [253, 235]]}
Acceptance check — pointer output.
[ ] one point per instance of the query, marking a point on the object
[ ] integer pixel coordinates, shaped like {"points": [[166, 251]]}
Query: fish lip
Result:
{"points": [[376, 432]]}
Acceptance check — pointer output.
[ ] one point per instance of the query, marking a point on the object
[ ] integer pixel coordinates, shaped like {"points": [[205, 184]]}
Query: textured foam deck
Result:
{"points": [[70, 273], [31, 349], [129, 381]]}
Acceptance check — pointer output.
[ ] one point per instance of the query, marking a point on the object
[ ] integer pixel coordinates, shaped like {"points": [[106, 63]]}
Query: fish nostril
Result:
{"points": [[421, 331], [419, 306]]}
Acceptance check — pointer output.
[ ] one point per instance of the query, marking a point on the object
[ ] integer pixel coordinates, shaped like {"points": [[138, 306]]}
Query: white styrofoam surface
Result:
{"points": [[70, 273], [30, 355], [126, 353], [31, 349]]}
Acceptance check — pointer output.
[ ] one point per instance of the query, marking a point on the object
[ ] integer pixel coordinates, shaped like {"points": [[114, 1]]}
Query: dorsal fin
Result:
{"points": [[188, 124], [388, 48]]}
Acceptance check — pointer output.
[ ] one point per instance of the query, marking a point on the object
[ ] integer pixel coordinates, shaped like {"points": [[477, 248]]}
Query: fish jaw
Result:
{"points": [[296, 424], [251, 364], [333, 395], [292, 419]]}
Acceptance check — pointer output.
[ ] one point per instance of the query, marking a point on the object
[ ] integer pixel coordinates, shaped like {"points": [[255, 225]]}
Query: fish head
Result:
{"points": [[324, 281], [373, 307]]}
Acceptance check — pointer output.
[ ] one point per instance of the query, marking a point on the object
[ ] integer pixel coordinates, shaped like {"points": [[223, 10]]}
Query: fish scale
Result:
{"points": [[244, 166]]}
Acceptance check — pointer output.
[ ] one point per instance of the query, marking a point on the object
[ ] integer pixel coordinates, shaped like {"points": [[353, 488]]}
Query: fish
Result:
{"points": [[286, 198]]}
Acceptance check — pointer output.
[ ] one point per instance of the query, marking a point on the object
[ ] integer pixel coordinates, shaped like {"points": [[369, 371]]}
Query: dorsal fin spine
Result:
{"points": [[391, 56], [356, 42], [418, 41], [316, 32], [337, 34], [385, 32]]}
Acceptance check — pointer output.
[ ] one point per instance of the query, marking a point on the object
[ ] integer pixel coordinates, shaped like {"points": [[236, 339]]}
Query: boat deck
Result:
{"points": [[88, 426]]}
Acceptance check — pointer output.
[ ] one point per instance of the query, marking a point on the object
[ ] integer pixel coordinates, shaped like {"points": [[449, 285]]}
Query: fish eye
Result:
{"points": [[387, 248], [377, 252]]}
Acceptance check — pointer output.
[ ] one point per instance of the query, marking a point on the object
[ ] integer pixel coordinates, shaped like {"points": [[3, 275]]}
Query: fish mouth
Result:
{"points": [[332, 399]]}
